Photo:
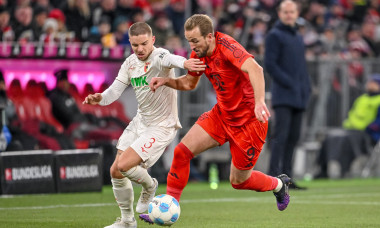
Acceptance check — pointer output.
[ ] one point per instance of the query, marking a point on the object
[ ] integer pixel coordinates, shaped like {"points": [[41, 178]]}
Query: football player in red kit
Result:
{"points": [[239, 117]]}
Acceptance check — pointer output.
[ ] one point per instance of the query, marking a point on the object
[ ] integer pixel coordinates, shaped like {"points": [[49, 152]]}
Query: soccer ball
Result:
{"points": [[164, 210]]}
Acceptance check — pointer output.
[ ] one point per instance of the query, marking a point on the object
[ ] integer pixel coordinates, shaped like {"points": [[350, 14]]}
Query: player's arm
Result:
{"points": [[114, 91], [256, 76], [176, 61], [185, 82], [108, 96]]}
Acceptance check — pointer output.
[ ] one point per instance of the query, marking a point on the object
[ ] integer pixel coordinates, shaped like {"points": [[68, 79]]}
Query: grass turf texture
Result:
{"points": [[327, 203]]}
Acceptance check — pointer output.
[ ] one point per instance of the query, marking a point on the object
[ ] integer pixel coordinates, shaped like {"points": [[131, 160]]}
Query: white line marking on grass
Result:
{"points": [[295, 200], [59, 206]]}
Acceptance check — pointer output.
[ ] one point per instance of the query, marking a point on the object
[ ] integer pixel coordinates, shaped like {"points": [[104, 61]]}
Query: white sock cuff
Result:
{"points": [[118, 183], [279, 185]]}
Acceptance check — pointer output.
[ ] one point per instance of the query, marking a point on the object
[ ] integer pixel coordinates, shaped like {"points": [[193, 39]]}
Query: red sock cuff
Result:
{"points": [[186, 151]]}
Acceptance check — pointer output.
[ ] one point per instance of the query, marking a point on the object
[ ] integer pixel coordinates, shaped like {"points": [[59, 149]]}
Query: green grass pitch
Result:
{"points": [[327, 203]]}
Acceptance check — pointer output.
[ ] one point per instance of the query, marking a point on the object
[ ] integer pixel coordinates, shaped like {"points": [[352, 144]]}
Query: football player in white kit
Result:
{"points": [[155, 124]]}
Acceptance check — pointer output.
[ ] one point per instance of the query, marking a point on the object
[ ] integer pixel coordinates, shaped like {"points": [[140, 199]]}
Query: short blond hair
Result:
{"points": [[202, 21], [139, 28]]}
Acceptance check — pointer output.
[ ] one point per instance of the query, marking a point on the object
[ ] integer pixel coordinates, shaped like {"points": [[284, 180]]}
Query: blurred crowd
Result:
{"points": [[347, 29]]}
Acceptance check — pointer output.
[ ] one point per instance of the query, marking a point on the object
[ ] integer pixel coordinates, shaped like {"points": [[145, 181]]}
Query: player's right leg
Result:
{"points": [[123, 192]]}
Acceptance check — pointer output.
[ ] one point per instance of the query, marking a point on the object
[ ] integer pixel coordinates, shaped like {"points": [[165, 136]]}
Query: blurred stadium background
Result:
{"points": [[89, 38]]}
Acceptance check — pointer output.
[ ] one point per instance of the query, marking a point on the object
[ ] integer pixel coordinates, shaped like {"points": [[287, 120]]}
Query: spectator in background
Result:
{"points": [[107, 8], [126, 8], [175, 46], [176, 14], [368, 34], [40, 16], [138, 16], [285, 62], [78, 17], [364, 114], [341, 146], [6, 32], [63, 33], [257, 37], [64, 107], [20, 140], [330, 44], [102, 34], [50, 30], [23, 24], [44, 4], [162, 28], [121, 26]]}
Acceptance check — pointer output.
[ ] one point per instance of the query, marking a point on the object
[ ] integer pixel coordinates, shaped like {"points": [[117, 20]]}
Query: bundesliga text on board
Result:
{"points": [[77, 172], [28, 173]]}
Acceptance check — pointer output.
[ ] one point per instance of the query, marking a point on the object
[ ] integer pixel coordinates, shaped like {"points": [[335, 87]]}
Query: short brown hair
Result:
{"points": [[139, 28], [202, 21]]}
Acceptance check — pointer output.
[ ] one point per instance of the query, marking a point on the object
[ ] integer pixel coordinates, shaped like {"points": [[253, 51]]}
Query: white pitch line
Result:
{"points": [[215, 200]]}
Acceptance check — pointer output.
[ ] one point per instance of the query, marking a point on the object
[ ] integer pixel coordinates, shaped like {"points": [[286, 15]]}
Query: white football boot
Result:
{"points": [[146, 197], [124, 223]]}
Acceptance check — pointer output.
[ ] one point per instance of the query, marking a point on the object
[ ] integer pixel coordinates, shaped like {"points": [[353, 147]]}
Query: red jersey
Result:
{"points": [[234, 91]]}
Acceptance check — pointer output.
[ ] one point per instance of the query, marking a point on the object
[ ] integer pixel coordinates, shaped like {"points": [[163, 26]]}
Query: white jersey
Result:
{"points": [[158, 108]]}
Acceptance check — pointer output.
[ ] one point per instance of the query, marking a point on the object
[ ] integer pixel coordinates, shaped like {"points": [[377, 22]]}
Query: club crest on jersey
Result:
{"points": [[146, 67]]}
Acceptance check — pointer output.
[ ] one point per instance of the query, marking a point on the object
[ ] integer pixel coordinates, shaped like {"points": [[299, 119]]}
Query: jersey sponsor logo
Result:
{"points": [[237, 53], [139, 82], [217, 81], [78, 172], [28, 173], [161, 56], [146, 67]]}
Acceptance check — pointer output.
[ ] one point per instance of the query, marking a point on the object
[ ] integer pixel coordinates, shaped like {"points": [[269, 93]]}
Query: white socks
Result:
{"points": [[279, 186], [123, 191], [141, 176]]}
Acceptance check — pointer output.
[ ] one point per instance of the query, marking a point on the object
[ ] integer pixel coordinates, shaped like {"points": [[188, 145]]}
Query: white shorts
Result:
{"points": [[149, 142]]}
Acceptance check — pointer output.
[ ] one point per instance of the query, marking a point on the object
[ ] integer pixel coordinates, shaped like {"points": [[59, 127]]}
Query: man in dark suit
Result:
{"points": [[286, 64]]}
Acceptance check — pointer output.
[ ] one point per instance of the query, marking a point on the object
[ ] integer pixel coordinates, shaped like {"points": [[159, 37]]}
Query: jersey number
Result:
{"points": [[148, 145]]}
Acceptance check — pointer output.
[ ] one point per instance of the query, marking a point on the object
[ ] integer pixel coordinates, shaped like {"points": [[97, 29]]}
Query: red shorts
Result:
{"points": [[246, 142]]}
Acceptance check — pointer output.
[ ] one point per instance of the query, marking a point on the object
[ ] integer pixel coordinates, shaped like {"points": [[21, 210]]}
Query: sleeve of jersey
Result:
{"points": [[235, 53], [112, 93], [172, 61], [123, 75], [195, 74], [118, 86]]}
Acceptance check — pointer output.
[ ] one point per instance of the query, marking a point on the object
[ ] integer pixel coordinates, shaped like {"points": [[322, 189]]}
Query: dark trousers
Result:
{"points": [[286, 132]]}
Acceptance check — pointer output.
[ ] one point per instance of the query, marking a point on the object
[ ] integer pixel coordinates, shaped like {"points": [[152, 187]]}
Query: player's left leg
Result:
{"points": [[142, 154], [246, 143]]}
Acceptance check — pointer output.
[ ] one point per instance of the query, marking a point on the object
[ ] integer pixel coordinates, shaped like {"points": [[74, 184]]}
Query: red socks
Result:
{"points": [[179, 171], [259, 182]]}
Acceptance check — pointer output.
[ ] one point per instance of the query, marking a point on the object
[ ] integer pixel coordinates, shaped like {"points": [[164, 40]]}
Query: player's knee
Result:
{"points": [[122, 167], [236, 181], [115, 173]]}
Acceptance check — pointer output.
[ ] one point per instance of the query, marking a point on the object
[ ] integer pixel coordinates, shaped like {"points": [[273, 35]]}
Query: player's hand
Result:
{"points": [[261, 111], [93, 99], [194, 65], [156, 82]]}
